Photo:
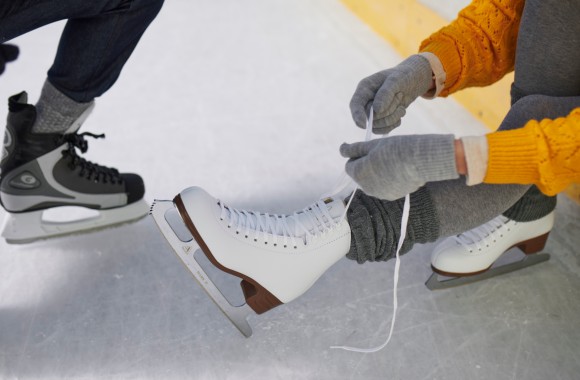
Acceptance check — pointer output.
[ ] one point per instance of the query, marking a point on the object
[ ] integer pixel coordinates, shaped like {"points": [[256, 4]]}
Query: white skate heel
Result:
{"points": [[470, 257]]}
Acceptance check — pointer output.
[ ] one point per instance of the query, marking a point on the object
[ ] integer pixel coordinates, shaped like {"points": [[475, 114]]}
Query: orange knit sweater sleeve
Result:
{"points": [[545, 153], [478, 48]]}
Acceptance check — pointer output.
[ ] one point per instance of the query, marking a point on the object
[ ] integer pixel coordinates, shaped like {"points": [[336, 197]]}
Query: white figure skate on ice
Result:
{"points": [[470, 256], [277, 257], [43, 171]]}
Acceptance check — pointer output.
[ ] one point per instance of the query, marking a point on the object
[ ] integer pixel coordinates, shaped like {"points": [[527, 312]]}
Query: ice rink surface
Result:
{"points": [[250, 101]]}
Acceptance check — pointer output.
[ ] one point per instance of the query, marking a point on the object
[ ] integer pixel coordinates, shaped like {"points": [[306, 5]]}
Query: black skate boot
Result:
{"points": [[43, 171]]}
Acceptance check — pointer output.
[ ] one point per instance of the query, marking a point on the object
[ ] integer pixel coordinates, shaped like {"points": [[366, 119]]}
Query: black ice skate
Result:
{"points": [[43, 171]]}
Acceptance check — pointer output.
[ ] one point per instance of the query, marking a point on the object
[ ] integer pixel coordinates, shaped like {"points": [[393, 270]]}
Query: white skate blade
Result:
{"points": [[171, 225], [29, 226], [437, 281]]}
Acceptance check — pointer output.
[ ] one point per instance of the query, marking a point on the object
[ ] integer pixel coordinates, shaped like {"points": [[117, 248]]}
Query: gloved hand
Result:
{"points": [[8, 53], [392, 167], [390, 92]]}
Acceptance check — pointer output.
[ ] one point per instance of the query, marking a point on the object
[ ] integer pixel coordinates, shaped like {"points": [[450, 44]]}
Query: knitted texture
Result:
{"points": [[478, 48], [545, 153], [56, 112], [532, 206], [376, 225], [390, 92], [392, 167]]}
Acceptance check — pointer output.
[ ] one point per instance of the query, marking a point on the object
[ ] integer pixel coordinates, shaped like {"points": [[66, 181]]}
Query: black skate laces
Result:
{"points": [[89, 170]]}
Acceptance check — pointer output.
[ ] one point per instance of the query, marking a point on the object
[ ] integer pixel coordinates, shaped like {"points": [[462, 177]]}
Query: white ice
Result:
{"points": [[250, 101]]}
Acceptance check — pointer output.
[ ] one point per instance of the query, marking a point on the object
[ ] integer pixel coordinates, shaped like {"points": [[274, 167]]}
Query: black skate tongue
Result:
{"points": [[18, 102]]}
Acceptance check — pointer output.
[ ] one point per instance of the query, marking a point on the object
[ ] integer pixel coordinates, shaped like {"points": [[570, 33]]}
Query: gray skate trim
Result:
{"points": [[28, 180], [7, 146], [50, 191]]}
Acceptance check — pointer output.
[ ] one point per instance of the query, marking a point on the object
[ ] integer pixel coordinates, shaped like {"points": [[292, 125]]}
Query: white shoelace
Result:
{"points": [[282, 229], [285, 229], [404, 221], [480, 236]]}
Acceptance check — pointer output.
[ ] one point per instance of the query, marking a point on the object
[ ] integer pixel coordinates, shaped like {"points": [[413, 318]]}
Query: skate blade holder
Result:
{"points": [[174, 230], [28, 227], [505, 264]]}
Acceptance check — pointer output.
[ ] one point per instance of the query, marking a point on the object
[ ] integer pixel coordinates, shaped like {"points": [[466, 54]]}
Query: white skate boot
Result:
{"points": [[278, 257], [469, 257], [43, 171]]}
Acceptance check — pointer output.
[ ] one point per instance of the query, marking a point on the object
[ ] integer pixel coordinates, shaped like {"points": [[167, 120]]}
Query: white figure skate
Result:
{"points": [[469, 257], [278, 257], [43, 171]]}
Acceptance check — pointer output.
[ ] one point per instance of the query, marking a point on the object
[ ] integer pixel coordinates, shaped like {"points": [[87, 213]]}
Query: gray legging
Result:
{"points": [[546, 85]]}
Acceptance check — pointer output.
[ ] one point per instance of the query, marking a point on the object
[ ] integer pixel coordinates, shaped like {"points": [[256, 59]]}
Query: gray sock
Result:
{"points": [[56, 112]]}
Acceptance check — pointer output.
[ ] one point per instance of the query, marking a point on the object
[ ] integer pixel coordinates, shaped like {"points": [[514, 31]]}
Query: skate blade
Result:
{"points": [[437, 282], [29, 227], [171, 225]]}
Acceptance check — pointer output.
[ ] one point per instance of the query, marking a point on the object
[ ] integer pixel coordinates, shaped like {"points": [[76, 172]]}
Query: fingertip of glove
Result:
{"points": [[359, 117], [343, 149], [10, 52]]}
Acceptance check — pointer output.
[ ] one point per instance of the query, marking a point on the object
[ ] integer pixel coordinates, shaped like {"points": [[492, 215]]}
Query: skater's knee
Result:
{"points": [[531, 107], [153, 6], [145, 10]]}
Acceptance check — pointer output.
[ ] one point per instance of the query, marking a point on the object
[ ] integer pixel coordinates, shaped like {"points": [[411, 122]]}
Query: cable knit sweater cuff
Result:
{"points": [[446, 53], [513, 156]]}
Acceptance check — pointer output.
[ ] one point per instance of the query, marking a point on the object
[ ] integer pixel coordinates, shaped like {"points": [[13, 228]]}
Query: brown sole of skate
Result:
{"points": [[257, 297]]}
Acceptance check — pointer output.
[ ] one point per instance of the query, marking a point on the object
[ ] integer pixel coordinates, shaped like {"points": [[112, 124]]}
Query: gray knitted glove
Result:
{"points": [[392, 167], [390, 92]]}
